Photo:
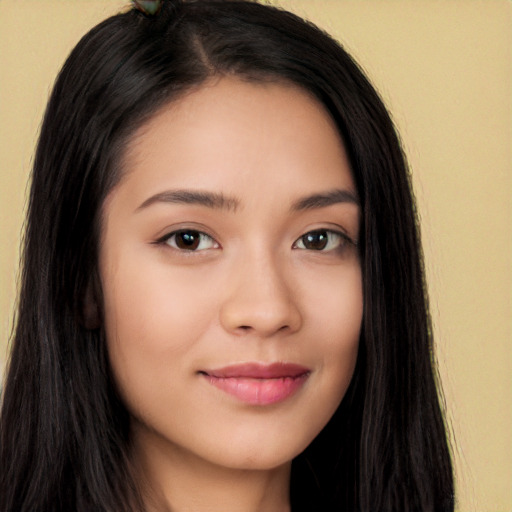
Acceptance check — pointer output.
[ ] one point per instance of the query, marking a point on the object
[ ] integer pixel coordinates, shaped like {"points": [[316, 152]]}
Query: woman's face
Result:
{"points": [[230, 275]]}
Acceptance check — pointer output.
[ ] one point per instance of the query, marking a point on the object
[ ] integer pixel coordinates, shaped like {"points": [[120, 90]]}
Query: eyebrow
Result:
{"points": [[203, 198], [325, 199], [219, 201]]}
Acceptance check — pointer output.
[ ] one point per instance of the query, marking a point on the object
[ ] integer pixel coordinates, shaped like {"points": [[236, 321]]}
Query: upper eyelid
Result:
{"points": [[177, 231], [338, 232], [164, 241], [170, 232]]}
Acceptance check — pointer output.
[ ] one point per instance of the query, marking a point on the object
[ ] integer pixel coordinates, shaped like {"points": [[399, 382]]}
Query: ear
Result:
{"points": [[91, 312]]}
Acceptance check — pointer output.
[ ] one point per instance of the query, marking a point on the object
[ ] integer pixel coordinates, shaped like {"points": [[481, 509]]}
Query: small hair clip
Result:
{"points": [[149, 7]]}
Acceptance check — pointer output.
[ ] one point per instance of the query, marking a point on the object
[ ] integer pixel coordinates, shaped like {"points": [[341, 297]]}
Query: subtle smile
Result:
{"points": [[259, 384]]}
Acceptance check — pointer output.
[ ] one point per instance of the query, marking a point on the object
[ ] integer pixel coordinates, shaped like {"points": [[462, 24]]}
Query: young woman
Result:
{"points": [[222, 303]]}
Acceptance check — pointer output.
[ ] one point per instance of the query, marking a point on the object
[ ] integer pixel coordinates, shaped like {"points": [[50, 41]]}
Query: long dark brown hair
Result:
{"points": [[64, 434]]}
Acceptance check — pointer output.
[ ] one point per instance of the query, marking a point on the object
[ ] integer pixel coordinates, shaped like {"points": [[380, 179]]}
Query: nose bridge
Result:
{"points": [[260, 297]]}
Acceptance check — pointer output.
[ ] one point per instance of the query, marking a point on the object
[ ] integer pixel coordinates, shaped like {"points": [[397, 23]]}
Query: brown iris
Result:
{"points": [[315, 240], [188, 240]]}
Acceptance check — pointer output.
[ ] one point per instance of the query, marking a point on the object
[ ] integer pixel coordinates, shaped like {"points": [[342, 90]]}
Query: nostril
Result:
{"points": [[249, 328], [263, 314]]}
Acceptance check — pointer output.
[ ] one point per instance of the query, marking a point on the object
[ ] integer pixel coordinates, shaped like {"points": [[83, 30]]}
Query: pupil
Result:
{"points": [[187, 240], [316, 240]]}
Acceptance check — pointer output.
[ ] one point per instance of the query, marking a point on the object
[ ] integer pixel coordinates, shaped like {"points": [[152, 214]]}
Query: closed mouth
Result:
{"points": [[259, 384]]}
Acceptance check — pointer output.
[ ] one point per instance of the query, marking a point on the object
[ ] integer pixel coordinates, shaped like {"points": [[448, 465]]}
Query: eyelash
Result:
{"points": [[193, 238], [341, 240]]}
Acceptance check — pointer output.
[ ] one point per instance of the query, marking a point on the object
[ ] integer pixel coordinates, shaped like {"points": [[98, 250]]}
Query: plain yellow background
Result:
{"points": [[444, 69]]}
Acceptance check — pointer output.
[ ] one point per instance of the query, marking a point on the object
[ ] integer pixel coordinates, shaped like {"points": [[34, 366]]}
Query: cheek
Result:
{"points": [[149, 310], [151, 324], [335, 302], [338, 323]]}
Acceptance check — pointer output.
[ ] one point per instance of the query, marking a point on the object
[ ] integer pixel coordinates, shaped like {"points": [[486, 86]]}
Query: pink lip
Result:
{"points": [[259, 384]]}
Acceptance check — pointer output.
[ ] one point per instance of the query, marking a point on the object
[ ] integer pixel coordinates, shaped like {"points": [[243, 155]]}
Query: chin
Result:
{"points": [[262, 454]]}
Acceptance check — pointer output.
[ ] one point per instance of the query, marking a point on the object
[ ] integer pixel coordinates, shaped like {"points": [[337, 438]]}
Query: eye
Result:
{"points": [[321, 240], [190, 240]]}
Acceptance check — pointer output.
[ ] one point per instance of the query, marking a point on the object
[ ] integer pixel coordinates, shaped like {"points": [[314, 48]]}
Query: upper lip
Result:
{"points": [[258, 371]]}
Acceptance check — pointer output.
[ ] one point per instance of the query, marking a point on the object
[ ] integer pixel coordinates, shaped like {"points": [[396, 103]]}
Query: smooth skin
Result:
{"points": [[231, 238]]}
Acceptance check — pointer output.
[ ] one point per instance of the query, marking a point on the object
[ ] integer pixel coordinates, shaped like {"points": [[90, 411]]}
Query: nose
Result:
{"points": [[260, 299]]}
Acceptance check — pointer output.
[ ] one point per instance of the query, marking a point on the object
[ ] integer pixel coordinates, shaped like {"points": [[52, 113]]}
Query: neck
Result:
{"points": [[175, 480]]}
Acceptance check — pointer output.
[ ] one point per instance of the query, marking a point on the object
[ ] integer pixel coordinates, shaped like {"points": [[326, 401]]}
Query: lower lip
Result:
{"points": [[259, 391]]}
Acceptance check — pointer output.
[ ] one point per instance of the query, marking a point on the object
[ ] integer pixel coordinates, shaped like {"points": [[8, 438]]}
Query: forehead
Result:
{"points": [[237, 136]]}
